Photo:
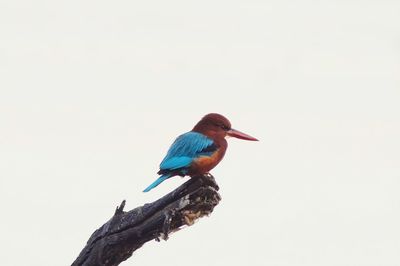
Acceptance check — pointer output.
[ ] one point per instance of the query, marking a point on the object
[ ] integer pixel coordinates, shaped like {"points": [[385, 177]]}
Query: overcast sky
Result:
{"points": [[92, 93]]}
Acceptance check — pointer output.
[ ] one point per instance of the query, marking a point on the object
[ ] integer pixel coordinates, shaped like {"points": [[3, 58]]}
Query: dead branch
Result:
{"points": [[125, 232]]}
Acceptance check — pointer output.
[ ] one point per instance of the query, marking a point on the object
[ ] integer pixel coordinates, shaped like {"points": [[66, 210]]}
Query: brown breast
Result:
{"points": [[204, 164]]}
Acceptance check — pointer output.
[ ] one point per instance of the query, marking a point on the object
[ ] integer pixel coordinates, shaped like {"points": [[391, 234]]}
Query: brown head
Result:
{"points": [[217, 126]]}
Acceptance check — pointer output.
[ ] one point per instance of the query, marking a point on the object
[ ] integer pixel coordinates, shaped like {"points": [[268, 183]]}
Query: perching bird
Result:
{"points": [[198, 151]]}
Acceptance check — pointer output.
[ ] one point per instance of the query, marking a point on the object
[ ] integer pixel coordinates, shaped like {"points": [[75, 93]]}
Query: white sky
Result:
{"points": [[92, 93]]}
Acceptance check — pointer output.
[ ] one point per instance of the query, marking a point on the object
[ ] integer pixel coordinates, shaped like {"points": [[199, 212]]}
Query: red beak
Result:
{"points": [[240, 135]]}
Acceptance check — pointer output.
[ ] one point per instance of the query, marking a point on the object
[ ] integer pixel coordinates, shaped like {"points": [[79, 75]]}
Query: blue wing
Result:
{"points": [[185, 149]]}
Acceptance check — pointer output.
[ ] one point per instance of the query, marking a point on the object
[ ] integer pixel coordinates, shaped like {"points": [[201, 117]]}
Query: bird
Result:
{"points": [[198, 151]]}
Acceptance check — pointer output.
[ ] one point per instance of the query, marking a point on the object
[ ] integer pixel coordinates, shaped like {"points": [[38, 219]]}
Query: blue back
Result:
{"points": [[186, 148]]}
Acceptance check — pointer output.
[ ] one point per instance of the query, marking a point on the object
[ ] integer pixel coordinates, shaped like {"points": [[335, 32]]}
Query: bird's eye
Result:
{"points": [[220, 125], [224, 127]]}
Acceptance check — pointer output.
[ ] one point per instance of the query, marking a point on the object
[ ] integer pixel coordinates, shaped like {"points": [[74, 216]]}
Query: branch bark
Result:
{"points": [[125, 232]]}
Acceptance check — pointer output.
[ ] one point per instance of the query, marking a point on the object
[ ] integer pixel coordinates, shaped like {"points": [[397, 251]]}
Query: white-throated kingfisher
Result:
{"points": [[199, 150]]}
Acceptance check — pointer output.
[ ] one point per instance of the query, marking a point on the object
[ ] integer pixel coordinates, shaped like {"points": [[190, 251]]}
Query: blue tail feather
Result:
{"points": [[157, 182]]}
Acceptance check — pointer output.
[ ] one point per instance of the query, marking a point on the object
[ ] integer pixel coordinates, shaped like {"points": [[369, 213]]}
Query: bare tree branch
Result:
{"points": [[125, 232]]}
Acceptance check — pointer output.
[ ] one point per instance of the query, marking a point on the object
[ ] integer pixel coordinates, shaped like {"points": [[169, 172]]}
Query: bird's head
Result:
{"points": [[218, 126]]}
